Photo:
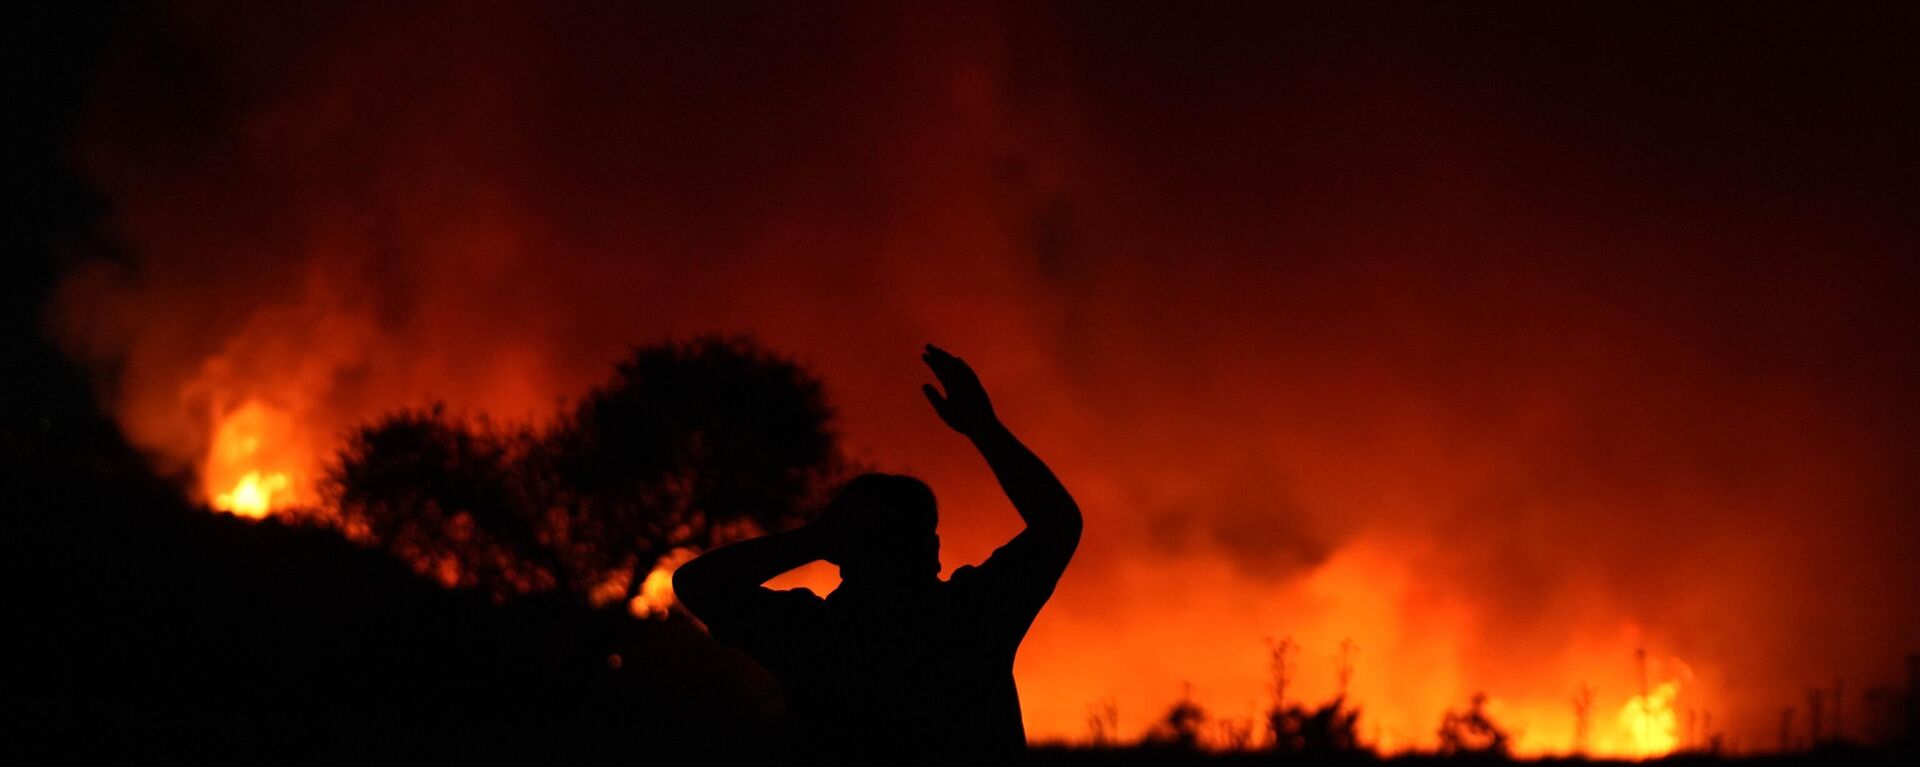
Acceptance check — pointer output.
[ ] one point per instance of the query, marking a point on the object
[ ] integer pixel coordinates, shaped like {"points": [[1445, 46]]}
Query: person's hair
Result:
{"points": [[888, 517]]}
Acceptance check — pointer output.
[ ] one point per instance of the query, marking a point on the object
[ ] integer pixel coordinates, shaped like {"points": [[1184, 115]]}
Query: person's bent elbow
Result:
{"points": [[1065, 528], [1069, 520]]}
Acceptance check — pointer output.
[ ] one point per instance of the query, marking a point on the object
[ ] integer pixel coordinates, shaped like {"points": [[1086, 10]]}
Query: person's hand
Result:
{"points": [[964, 407]]}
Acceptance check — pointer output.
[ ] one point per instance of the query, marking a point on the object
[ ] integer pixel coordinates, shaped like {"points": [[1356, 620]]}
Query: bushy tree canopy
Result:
{"points": [[688, 446]]}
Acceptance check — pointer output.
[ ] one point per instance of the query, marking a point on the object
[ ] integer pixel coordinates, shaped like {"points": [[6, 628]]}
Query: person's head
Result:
{"points": [[886, 524]]}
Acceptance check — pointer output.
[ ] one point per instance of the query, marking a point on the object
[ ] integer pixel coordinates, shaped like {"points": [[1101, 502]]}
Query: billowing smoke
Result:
{"points": [[1499, 350]]}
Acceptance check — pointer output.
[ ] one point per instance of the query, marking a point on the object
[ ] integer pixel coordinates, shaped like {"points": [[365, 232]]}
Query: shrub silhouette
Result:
{"points": [[1328, 729], [1180, 727], [688, 446], [1297, 729], [1472, 732]]}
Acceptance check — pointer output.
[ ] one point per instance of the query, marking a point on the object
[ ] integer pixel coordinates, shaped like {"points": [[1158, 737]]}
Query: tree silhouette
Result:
{"points": [[688, 446], [451, 498]]}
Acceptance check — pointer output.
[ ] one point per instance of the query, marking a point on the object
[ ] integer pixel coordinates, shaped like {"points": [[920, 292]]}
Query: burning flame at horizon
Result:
{"points": [[1649, 722]]}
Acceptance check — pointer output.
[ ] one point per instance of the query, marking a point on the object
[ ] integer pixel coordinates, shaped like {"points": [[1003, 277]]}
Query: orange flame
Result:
{"points": [[656, 592], [254, 464], [253, 496], [1648, 722]]}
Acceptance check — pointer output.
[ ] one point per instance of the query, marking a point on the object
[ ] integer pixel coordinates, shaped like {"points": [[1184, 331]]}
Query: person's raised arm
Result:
{"points": [[723, 578], [1044, 503]]}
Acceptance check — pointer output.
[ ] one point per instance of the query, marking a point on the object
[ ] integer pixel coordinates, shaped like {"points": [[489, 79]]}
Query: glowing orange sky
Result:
{"points": [[1499, 350]]}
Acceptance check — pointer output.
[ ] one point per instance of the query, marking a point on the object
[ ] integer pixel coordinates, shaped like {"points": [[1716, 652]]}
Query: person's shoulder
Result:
{"points": [[799, 596]]}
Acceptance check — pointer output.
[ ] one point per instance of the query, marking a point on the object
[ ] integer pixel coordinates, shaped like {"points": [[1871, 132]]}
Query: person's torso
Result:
{"points": [[925, 674]]}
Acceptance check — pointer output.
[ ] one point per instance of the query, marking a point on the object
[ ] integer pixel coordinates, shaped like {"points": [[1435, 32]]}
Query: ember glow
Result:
{"points": [[1508, 363]]}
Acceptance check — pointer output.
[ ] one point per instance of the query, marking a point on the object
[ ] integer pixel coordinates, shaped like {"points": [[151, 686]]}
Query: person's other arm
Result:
{"points": [[1053, 519]]}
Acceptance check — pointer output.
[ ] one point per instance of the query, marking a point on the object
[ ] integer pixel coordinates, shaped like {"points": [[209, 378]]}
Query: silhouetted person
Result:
{"points": [[897, 666]]}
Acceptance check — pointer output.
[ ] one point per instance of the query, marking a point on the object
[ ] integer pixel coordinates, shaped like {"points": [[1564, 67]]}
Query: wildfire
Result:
{"points": [[253, 496], [253, 465], [1648, 721]]}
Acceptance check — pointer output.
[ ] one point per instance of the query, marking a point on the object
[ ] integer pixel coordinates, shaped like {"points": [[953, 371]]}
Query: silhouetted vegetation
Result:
{"points": [[1321, 731], [1180, 726], [1472, 732], [690, 445]]}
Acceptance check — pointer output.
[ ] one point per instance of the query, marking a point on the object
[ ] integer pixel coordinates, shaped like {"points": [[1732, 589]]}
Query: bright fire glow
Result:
{"points": [[656, 592], [1649, 723], [255, 462], [253, 496]]}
